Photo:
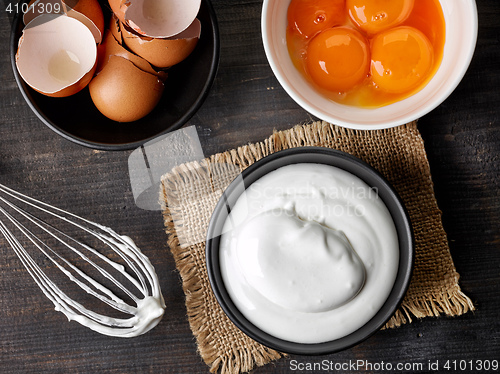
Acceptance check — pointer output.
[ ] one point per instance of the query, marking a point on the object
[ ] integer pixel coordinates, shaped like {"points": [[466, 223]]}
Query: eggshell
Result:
{"points": [[111, 47], [159, 18], [119, 7], [39, 7], [56, 55], [123, 92], [88, 12], [166, 52], [114, 27]]}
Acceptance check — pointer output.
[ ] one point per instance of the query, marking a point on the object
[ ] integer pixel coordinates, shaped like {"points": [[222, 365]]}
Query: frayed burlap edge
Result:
{"points": [[453, 303], [430, 294], [233, 358]]}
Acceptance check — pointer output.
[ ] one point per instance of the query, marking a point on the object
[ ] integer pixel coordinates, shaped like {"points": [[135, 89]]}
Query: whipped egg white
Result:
{"points": [[309, 253]]}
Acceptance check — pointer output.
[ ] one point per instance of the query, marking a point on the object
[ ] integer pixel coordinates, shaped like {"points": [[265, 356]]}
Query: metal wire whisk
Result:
{"points": [[142, 288]]}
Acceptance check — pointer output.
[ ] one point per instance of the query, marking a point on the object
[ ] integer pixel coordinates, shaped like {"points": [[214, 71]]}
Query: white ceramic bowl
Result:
{"points": [[461, 34]]}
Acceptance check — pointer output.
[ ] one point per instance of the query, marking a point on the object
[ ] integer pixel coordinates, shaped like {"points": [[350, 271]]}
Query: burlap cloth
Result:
{"points": [[190, 192]]}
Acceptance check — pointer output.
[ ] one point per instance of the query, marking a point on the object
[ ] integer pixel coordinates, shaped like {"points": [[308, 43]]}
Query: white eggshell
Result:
{"points": [[55, 53]]}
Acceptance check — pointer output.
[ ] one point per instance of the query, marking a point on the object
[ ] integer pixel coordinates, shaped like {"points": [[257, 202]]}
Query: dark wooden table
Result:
{"points": [[246, 103]]}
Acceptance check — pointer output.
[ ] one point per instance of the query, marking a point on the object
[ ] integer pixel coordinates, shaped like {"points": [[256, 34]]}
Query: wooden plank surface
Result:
{"points": [[246, 104]]}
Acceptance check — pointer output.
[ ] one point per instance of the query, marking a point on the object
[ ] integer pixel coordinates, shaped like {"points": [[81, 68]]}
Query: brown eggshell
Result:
{"points": [[110, 47], [119, 7], [114, 27], [91, 9], [56, 55], [124, 93], [166, 52]]}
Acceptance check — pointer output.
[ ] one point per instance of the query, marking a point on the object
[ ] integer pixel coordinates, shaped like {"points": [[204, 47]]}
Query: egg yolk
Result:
{"points": [[338, 59], [310, 17], [401, 59], [373, 16]]}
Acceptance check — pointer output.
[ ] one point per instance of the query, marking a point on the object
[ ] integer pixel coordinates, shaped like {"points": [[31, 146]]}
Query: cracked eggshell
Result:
{"points": [[165, 52], [123, 92], [88, 12], [111, 47], [119, 7], [56, 55], [114, 27], [156, 18]]}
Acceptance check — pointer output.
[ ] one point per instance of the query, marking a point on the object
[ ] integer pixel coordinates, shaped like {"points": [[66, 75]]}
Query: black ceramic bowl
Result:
{"points": [[77, 119], [313, 155]]}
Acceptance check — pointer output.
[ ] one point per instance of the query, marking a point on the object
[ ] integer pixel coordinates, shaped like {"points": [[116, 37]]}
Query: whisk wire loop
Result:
{"points": [[148, 308]]}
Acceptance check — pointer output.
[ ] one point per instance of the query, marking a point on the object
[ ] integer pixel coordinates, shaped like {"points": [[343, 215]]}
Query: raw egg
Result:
{"points": [[373, 16], [338, 59], [378, 51], [401, 58], [309, 17]]}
